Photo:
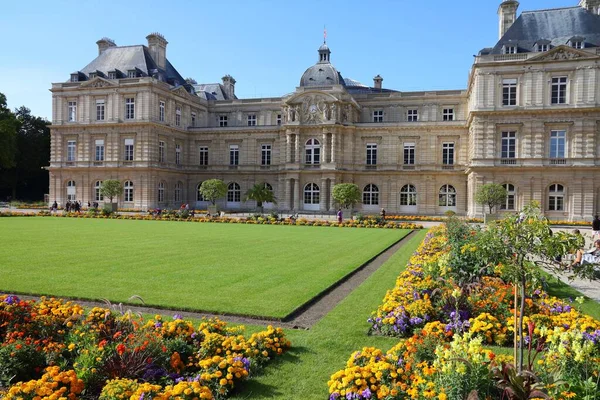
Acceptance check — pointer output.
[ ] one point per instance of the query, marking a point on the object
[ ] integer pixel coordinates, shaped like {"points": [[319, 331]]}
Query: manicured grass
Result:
{"points": [[303, 372], [231, 268], [558, 288]]}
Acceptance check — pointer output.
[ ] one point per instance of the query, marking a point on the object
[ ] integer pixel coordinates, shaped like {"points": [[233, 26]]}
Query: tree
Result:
{"points": [[491, 195], [213, 190], [522, 243], [261, 194], [346, 194], [8, 135], [111, 188]]}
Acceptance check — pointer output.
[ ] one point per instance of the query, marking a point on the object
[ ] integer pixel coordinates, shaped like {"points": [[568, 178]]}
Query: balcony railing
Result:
{"points": [[408, 167], [508, 161], [448, 167], [558, 161]]}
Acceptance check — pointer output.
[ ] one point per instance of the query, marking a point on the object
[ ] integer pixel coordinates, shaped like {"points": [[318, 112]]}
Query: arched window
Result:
{"points": [[313, 151], [268, 186], [71, 191], [234, 194], [161, 192], [371, 195], [128, 191], [556, 197], [97, 195], [199, 196], [447, 196], [509, 203], [177, 194], [408, 195], [311, 193]]}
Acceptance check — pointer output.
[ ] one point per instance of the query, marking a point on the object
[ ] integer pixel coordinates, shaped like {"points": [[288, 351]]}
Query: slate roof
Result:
{"points": [[211, 91], [556, 25], [125, 58]]}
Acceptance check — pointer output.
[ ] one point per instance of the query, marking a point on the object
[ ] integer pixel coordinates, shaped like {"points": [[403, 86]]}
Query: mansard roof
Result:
{"points": [[126, 58], [556, 25], [211, 91]]}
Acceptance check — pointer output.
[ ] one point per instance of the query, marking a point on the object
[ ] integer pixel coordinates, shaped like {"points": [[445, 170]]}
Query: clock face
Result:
{"points": [[313, 108]]}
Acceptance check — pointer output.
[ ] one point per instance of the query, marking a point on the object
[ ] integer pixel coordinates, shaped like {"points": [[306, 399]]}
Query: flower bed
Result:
{"points": [[367, 223], [444, 327], [54, 349]]}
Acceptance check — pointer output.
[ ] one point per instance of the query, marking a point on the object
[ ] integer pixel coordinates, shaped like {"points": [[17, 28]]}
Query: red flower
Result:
{"points": [[121, 349]]}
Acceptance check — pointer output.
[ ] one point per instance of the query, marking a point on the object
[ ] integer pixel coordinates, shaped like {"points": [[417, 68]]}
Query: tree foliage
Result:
{"points": [[8, 135], [491, 195], [213, 190], [261, 194], [111, 188], [346, 194]]}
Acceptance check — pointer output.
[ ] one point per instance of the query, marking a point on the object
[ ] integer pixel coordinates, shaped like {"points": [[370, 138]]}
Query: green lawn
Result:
{"points": [[242, 269]]}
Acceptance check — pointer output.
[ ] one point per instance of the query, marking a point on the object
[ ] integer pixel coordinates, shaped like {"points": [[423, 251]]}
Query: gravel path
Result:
{"points": [[303, 318]]}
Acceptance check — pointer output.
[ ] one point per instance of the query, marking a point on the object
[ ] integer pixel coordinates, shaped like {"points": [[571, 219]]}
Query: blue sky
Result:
{"points": [[264, 45]]}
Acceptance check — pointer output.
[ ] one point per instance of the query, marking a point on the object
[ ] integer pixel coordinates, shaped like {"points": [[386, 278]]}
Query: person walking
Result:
{"points": [[339, 216], [596, 228]]}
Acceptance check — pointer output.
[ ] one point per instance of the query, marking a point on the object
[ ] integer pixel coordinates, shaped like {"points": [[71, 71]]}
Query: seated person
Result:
{"points": [[590, 256]]}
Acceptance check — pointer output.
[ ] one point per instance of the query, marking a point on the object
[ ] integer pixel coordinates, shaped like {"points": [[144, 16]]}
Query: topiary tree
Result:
{"points": [[111, 188], [213, 190], [346, 194], [491, 195], [261, 194]]}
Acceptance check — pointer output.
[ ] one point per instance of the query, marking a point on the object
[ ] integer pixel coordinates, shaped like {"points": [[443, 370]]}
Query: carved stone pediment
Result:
{"points": [[97, 82], [180, 91], [562, 53]]}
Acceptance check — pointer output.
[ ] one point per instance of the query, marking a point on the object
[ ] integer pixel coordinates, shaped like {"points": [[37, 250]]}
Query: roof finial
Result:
{"points": [[324, 34]]}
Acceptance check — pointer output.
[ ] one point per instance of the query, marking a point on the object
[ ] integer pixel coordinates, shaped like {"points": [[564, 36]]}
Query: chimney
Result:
{"points": [[507, 14], [104, 44], [157, 44], [592, 6], [377, 82], [229, 85]]}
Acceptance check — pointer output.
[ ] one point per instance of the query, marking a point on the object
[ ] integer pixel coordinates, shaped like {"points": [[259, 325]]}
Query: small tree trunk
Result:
{"points": [[515, 319], [523, 282]]}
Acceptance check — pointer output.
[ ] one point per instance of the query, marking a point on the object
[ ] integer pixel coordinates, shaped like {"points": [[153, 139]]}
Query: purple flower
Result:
{"points": [[366, 393], [158, 324], [334, 396], [177, 316], [10, 300], [141, 396]]}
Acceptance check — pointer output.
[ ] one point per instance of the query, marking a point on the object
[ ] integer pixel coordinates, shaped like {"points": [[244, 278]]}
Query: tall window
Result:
{"points": [[193, 119], [222, 120], [161, 151], [408, 195], [252, 120], [371, 195], [509, 92], [409, 153], [448, 114], [311, 193], [557, 144], [128, 191], [199, 196], [447, 196], [509, 144], [313, 151], [234, 154], [203, 155], [161, 192], [412, 115], [100, 110], [265, 154], [448, 153], [161, 111], [178, 187], [129, 149], [378, 116], [509, 204], [72, 111], [99, 156], [556, 198], [71, 150], [559, 90], [178, 116], [97, 194], [278, 119], [234, 194], [71, 191], [178, 154], [130, 108], [371, 154]]}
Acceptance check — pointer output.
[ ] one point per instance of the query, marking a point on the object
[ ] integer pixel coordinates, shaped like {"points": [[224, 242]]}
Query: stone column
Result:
{"points": [[323, 195], [330, 194], [324, 149], [297, 157], [288, 148], [297, 194], [333, 146]]}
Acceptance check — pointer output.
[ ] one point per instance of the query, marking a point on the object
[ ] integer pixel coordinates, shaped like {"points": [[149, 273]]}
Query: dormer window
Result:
{"points": [[577, 45], [92, 75], [132, 73], [542, 45], [577, 42], [112, 75], [509, 49], [74, 77]]}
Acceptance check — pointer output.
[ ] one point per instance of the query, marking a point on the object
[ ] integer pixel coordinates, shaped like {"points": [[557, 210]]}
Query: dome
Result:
{"points": [[321, 74], [324, 47]]}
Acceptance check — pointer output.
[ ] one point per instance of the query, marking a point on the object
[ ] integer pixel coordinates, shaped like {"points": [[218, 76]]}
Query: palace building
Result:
{"points": [[529, 119]]}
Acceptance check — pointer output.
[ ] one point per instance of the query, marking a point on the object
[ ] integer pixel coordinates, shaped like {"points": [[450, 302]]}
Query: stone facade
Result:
{"points": [[411, 152]]}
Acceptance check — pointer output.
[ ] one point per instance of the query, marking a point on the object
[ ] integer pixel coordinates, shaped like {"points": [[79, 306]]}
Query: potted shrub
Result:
{"points": [[111, 188], [213, 190], [347, 195], [490, 195], [261, 194]]}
